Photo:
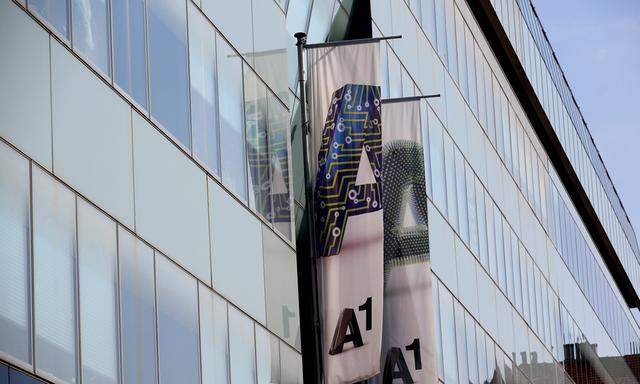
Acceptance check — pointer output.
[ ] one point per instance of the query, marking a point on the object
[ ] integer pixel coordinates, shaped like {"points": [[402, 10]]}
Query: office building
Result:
{"points": [[151, 190]]}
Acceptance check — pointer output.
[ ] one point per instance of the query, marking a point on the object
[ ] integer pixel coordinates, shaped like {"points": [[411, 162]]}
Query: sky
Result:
{"points": [[597, 43]]}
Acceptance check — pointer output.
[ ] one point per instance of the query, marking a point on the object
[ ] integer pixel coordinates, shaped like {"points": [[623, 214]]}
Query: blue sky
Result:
{"points": [[597, 43]]}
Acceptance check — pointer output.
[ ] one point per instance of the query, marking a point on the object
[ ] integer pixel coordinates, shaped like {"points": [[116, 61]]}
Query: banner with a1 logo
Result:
{"points": [[408, 338], [346, 127]]}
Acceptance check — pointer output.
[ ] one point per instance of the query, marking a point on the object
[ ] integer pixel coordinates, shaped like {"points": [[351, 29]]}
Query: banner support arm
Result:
{"points": [[301, 38]]}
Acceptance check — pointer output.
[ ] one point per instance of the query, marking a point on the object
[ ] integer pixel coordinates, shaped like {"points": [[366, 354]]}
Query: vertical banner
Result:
{"points": [[346, 127], [408, 346]]}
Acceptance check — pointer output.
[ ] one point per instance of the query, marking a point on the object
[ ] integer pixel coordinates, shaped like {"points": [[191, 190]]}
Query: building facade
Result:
{"points": [[151, 190]]}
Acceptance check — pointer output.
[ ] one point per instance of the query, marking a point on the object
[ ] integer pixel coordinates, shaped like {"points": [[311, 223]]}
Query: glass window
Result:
{"points": [[129, 51], [395, 75], [168, 72], [461, 343], [462, 54], [256, 124], [498, 219], [15, 225], [178, 338], [280, 166], [54, 12], [441, 30], [202, 65], [267, 356], [137, 309], [281, 285], [451, 58], [231, 119], [54, 254], [482, 355], [471, 70], [492, 372], [436, 152], [482, 225], [471, 205], [461, 193], [450, 174], [491, 239], [437, 328], [97, 253], [472, 356], [91, 33], [241, 347], [448, 337], [214, 337]]}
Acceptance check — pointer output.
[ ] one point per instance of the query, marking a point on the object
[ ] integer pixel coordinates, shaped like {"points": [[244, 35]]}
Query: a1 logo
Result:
{"points": [[347, 330], [395, 366]]}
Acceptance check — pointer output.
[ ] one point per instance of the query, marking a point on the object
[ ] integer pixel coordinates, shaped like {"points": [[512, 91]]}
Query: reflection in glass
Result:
{"points": [[15, 300], [214, 337], [97, 253], [54, 253], [137, 306], [255, 112], [280, 166], [178, 338], [90, 30], [241, 347], [168, 66], [129, 55], [202, 64], [231, 119], [267, 356], [54, 12]]}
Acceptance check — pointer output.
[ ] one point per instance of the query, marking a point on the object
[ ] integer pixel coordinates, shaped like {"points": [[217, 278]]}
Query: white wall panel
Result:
{"points": [[25, 97], [171, 200], [237, 262], [91, 136]]}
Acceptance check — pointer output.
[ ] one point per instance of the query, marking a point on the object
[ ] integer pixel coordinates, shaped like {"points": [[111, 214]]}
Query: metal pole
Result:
{"points": [[306, 139]]}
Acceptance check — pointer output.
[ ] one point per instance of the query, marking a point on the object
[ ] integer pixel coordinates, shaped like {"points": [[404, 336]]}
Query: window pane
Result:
{"points": [[168, 66], [137, 305], [54, 247], [255, 112], [281, 286], [97, 254], [231, 119], [178, 339], [214, 337], [437, 162], [15, 300], [53, 12], [279, 150], [202, 63], [241, 347], [448, 337], [90, 29], [472, 356], [267, 356], [461, 343], [129, 57]]}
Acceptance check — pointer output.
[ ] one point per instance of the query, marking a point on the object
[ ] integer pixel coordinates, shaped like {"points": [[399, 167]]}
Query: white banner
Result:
{"points": [[344, 89], [408, 341]]}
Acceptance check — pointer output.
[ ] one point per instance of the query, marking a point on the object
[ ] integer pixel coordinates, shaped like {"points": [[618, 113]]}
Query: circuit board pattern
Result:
{"points": [[352, 124]]}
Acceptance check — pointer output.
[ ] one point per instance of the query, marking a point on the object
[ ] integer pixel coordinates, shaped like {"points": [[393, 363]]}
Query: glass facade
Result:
{"points": [[199, 283]]}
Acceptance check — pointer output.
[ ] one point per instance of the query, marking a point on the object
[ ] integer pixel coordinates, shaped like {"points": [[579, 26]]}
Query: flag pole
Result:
{"points": [[316, 344]]}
